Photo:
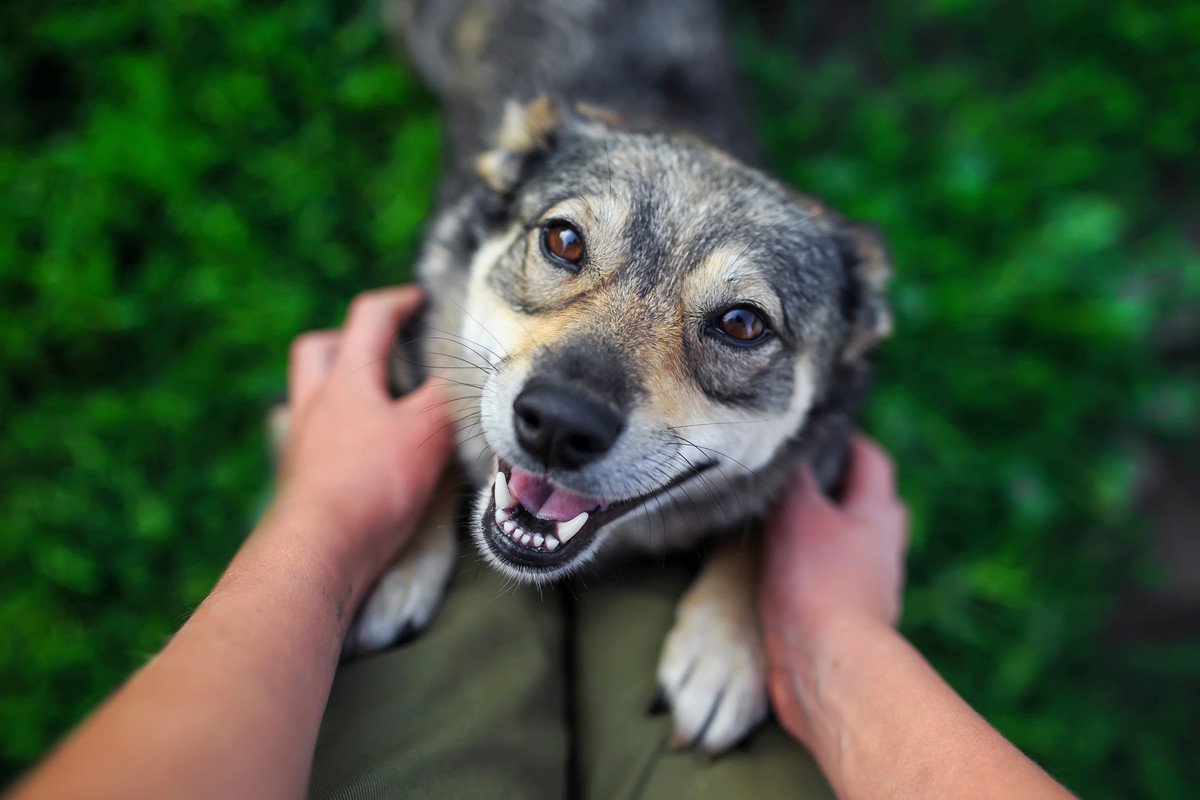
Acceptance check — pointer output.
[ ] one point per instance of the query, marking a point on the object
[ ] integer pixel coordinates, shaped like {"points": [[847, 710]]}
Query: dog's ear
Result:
{"points": [[527, 132], [868, 270]]}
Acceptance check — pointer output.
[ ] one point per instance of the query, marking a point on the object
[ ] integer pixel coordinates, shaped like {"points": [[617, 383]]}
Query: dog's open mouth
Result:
{"points": [[536, 523]]}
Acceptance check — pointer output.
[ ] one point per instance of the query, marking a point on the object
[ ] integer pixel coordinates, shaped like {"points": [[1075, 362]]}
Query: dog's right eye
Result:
{"points": [[563, 243]]}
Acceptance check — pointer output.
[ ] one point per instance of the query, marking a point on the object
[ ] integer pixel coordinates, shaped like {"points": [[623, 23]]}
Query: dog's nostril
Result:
{"points": [[562, 426], [585, 444]]}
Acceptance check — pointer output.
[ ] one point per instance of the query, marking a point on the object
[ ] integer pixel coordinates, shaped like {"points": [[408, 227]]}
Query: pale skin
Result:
{"points": [[232, 704], [878, 718]]}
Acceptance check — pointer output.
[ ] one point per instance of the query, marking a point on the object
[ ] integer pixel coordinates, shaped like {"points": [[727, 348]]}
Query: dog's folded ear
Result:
{"points": [[527, 132], [868, 270]]}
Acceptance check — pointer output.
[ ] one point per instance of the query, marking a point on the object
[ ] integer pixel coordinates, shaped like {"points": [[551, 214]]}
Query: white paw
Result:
{"points": [[404, 601], [713, 675]]}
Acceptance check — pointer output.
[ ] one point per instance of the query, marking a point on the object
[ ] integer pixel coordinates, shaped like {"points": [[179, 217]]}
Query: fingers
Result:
{"points": [[370, 330], [309, 363], [802, 499], [805, 493], [871, 480], [424, 411], [870, 491]]}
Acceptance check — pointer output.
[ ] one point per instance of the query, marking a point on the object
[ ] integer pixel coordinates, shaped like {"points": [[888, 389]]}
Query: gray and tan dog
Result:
{"points": [[645, 333]]}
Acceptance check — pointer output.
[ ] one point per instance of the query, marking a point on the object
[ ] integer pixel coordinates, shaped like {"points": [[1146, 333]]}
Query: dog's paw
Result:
{"points": [[713, 676], [406, 598]]}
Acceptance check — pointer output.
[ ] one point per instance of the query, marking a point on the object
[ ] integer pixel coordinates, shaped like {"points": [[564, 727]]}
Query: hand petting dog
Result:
{"points": [[362, 463], [231, 706], [878, 718]]}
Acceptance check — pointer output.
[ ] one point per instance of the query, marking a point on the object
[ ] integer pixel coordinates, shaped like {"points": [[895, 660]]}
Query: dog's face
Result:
{"points": [[656, 317]]}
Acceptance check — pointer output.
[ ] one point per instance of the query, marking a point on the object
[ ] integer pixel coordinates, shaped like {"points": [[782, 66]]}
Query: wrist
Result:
{"points": [[301, 548], [805, 653]]}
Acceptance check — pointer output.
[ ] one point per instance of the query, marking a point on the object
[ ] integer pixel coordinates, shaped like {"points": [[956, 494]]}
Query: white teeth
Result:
{"points": [[538, 539], [502, 516], [503, 497], [526, 539], [571, 527], [551, 543], [510, 526]]}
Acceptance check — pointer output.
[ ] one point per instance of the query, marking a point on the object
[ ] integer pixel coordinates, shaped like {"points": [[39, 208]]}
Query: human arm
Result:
{"points": [[878, 718], [230, 707]]}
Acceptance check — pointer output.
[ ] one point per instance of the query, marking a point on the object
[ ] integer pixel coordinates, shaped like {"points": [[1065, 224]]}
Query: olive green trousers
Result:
{"points": [[516, 692]]}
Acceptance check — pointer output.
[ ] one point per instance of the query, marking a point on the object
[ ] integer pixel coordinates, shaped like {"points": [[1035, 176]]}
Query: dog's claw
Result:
{"points": [[714, 678], [660, 704]]}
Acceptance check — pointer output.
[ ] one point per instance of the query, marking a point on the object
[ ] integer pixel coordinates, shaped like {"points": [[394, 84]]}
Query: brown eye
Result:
{"points": [[563, 242], [742, 324]]}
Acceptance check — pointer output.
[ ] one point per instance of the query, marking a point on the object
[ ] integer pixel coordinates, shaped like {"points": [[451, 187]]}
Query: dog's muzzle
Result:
{"points": [[533, 523]]}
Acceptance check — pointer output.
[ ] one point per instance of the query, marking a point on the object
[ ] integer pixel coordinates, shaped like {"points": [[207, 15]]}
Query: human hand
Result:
{"points": [[826, 565], [356, 465]]}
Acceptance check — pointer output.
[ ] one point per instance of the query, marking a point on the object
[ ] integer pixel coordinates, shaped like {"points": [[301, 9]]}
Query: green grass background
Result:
{"points": [[184, 186]]}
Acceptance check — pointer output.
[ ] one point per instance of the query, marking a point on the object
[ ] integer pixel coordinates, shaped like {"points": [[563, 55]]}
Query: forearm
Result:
{"points": [[882, 723], [231, 706]]}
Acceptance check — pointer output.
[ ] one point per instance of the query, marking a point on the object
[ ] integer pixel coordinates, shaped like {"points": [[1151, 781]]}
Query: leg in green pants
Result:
{"points": [[622, 750], [478, 706], [474, 708]]}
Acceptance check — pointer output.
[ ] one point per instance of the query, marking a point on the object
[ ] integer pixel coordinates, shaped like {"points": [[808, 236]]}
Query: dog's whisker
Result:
{"points": [[448, 400], [704, 449], [471, 344], [706, 483], [465, 415], [804, 220], [464, 340], [466, 345], [449, 424], [484, 327], [439, 367], [465, 384], [725, 422], [608, 161], [397, 350], [732, 489]]}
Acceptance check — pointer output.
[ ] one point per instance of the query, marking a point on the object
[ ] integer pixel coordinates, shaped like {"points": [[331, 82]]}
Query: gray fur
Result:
{"points": [[623, 119], [667, 157]]}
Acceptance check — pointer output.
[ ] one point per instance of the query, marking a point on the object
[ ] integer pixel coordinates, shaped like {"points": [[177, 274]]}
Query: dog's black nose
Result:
{"points": [[561, 426]]}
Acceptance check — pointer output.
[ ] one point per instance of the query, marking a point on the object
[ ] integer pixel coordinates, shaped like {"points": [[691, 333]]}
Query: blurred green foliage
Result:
{"points": [[184, 186]]}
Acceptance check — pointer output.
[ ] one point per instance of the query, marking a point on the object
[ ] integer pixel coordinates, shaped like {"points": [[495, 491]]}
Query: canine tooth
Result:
{"points": [[500, 489], [551, 543], [526, 539], [569, 528], [502, 516], [510, 526], [538, 539]]}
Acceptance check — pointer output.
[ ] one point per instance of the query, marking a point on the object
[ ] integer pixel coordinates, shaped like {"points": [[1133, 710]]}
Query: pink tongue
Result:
{"points": [[547, 501]]}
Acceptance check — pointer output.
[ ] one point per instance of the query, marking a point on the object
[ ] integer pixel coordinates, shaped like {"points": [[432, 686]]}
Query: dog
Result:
{"points": [[643, 332]]}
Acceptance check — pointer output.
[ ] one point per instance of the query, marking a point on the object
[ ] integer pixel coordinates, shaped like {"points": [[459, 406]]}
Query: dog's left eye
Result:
{"points": [[743, 325], [563, 243]]}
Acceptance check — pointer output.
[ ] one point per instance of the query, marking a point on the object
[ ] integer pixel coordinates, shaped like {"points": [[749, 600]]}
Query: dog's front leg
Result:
{"points": [[712, 670], [406, 598]]}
